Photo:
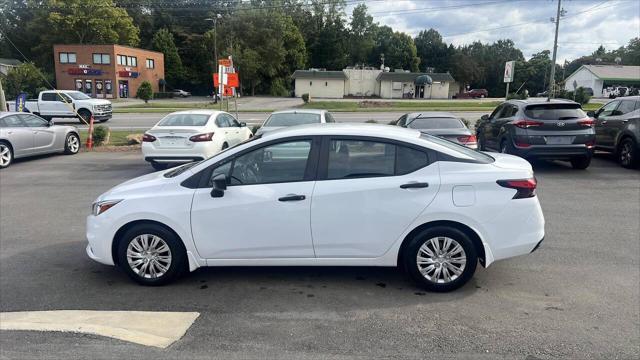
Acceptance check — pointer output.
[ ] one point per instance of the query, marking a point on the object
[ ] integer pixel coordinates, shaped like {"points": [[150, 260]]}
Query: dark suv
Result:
{"points": [[618, 129], [554, 130]]}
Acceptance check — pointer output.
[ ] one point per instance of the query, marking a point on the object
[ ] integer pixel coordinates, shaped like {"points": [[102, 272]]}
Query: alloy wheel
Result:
{"points": [[73, 144], [5, 155], [149, 256], [441, 260], [625, 154]]}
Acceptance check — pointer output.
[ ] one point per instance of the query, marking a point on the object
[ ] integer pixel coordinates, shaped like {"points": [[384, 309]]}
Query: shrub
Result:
{"points": [[145, 92], [99, 134], [580, 95], [305, 98]]}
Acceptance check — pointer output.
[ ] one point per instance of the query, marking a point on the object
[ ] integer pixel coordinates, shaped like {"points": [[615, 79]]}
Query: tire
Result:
{"points": [[158, 166], [71, 144], [6, 154], [580, 162], [628, 153], [165, 255], [432, 271], [481, 142], [84, 115]]}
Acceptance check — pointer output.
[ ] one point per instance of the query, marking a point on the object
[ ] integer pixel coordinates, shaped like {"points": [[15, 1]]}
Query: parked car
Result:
{"points": [[618, 129], [193, 135], [181, 93], [554, 130], [284, 118], [435, 209], [23, 134], [67, 104], [441, 124], [473, 94]]}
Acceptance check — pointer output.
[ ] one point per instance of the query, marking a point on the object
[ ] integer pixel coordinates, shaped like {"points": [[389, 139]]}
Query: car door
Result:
{"points": [[492, 127], [619, 119], [604, 130], [236, 129], [265, 210], [369, 191], [222, 122], [43, 135], [19, 134], [53, 104]]}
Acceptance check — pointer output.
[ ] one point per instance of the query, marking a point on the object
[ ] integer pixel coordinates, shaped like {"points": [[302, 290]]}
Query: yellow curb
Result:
{"points": [[149, 328]]}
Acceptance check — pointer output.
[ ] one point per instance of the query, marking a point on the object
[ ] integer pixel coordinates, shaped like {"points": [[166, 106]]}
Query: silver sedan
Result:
{"points": [[24, 134]]}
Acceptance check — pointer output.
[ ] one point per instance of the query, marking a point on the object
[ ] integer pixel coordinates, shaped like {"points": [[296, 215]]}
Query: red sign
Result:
{"points": [[224, 62], [233, 80], [129, 74]]}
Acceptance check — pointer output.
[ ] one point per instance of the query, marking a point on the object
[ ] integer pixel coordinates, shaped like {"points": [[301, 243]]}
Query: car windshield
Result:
{"points": [[77, 95], [554, 111], [184, 120], [462, 150], [436, 123], [291, 119]]}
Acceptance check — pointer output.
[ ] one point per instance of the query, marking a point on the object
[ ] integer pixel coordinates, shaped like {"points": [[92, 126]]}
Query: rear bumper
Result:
{"points": [[172, 159], [199, 151], [554, 152]]}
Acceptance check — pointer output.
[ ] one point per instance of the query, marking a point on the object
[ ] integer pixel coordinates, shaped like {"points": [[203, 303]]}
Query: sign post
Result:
{"points": [[508, 74]]}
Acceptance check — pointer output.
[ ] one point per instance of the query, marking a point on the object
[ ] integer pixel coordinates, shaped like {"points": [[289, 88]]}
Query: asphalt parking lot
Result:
{"points": [[576, 297]]}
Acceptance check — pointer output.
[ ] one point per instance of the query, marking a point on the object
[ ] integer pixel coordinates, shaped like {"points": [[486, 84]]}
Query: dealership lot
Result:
{"points": [[576, 297]]}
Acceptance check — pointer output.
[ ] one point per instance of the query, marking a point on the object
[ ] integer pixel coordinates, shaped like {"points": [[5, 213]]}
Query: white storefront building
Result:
{"points": [[599, 77]]}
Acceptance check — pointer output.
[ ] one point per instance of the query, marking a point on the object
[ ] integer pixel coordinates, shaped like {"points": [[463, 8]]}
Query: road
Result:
{"points": [[135, 121], [576, 297]]}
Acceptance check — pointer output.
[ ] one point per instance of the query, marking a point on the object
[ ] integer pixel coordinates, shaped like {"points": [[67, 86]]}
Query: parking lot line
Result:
{"points": [[149, 328]]}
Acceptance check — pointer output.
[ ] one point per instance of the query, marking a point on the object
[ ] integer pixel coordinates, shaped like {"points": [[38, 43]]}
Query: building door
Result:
{"points": [[99, 89], [108, 89], [123, 89]]}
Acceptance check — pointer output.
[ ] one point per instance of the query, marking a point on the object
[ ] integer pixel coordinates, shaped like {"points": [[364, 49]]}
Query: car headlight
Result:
{"points": [[101, 206]]}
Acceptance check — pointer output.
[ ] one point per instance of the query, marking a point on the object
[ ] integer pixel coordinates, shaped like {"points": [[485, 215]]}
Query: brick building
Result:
{"points": [[107, 71]]}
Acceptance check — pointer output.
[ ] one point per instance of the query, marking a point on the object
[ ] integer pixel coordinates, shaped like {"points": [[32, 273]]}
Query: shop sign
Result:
{"points": [[80, 71], [129, 74]]}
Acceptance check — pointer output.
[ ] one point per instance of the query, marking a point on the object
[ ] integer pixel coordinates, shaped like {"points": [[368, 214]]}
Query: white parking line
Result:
{"points": [[158, 329]]}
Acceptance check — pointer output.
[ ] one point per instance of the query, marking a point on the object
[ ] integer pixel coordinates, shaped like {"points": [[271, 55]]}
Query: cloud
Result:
{"points": [[586, 25]]}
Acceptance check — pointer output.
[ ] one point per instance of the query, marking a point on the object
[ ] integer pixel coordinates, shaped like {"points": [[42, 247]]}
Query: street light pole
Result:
{"points": [[215, 52], [555, 50]]}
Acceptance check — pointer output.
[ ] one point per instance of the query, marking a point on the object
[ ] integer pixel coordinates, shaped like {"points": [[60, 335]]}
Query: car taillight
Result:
{"points": [[148, 138], [467, 139], [527, 123], [526, 188], [587, 122], [201, 137], [590, 143]]}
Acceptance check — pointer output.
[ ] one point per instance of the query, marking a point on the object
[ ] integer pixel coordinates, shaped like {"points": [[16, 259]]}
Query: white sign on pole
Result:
{"points": [[508, 71]]}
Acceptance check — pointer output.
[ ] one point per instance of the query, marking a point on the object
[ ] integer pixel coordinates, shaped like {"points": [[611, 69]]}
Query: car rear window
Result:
{"points": [[436, 123], [292, 119], [184, 120], [554, 111]]}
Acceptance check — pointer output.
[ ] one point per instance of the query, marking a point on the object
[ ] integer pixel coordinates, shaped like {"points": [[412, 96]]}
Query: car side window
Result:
{"points": [[329, 118], [608, 109], [277, 163], [232, 121], [496, 112], [409, 160], [402, 121], [358, 159], [626, 106], [49, 97], [11, 121], [221, 121], [33, 121]]}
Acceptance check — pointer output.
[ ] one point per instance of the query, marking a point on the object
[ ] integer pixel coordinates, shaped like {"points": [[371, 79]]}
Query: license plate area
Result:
{"points": [[172, 141], [559, 140]]}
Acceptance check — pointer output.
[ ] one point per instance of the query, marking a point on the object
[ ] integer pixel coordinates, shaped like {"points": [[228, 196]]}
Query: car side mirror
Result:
{"points": [[243, 124], [219, 186], [484, 117], [49, 123], [591, 114], [616, 113]]}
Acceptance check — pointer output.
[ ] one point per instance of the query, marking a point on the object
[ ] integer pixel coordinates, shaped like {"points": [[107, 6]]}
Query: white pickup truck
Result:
{"points": [[67, 104]]}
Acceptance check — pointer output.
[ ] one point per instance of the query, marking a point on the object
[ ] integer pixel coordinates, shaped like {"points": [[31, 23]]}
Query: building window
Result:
{"points": [[132, 61], [101, 59], [67, 58], [122, 60], [151, 64]]}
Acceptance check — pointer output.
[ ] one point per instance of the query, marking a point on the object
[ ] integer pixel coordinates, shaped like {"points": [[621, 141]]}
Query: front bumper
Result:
{"points": [[100, 237], [102, 117]]}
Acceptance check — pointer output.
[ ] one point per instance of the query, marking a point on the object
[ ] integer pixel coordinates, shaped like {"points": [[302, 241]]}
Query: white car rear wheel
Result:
{"points": [[6, 155]]}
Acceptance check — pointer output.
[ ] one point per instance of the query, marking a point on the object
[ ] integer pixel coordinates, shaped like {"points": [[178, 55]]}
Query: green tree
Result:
{"points": [[432, 51], [25, 78], [163, 42], [465, 69], [145, 92], [362, 30], [398, 49]]}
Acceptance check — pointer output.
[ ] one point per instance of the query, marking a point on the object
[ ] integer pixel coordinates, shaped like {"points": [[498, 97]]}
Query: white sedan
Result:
{"points": [[324, 195], [186, 136]]}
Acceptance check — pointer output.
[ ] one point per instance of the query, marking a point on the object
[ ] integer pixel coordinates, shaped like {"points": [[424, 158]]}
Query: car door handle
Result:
{"points": [[292, 197], [414, 185], [603, 122]]}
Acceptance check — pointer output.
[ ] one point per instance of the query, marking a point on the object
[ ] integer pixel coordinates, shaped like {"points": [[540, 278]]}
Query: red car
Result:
{"points": [[473, 94]]}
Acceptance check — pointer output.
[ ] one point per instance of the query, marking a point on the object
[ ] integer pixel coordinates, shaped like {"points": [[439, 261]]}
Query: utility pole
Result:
{"points": [[555, 51], [3, 101], [215, 52]]}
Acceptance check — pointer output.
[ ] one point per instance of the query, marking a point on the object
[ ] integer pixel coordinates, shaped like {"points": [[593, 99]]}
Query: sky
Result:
{"points": [[586, 25]]}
